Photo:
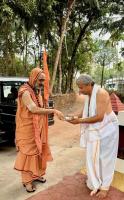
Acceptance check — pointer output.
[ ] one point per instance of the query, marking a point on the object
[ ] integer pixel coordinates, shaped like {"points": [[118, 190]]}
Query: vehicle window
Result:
{"points": [[10, 91], [6, 90], [111, 86]]}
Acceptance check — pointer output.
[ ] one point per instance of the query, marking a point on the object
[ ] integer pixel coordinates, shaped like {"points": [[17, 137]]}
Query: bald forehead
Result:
{"points": [[42, 76]]}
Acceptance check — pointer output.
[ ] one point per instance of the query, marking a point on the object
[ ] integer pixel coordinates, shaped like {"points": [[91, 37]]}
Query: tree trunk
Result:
{"points": [[60, 76], [103, 67], [23, 58], [71, 63], [69, 10], [35, 58], [26, 47]]}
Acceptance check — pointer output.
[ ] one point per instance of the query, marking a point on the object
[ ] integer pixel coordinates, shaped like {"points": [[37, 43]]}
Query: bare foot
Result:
{"points": [[93, 192], [102, 194], [83, 170]]}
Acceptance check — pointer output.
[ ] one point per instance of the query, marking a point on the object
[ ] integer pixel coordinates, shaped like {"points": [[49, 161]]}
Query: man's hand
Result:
{"points": [[59, 114], [17, 149], [74, 121]]}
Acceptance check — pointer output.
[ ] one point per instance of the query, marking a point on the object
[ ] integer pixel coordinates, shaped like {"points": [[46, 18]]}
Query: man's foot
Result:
{"points": [[29, 187], [83, 170], [93, 192], [102, 194]]}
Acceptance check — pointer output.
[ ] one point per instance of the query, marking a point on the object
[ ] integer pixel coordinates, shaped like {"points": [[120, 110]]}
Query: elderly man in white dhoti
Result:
{"points": [[99, 135]]}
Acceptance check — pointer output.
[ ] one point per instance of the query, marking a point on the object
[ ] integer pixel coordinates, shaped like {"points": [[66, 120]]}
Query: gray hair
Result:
{"points": [[85, 79]]}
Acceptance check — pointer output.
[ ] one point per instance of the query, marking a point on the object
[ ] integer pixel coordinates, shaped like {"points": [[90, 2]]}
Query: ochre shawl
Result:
{"points": [[39, 138]]}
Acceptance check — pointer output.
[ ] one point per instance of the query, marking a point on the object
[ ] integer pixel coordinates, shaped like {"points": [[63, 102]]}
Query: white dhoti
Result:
{"points": [[101, 142], [102, 154]]}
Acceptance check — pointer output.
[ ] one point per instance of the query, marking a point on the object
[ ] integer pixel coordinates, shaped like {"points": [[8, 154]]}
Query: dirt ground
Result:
{"points": [[68, 159]]}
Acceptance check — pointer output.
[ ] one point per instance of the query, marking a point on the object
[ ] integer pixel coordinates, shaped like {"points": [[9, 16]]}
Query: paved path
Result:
{"points": [[73, 188], [68, 159]]}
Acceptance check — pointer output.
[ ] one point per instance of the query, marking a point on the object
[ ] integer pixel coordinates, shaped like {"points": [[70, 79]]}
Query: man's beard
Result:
{"points": [[38, 88]]}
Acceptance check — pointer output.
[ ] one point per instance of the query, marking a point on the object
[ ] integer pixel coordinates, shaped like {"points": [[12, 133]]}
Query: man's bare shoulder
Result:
{"points": [[26, 93], [103, 94]]}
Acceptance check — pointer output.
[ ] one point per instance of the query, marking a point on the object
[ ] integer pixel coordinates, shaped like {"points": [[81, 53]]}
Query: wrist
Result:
{"points": [[54, 111], [49, 110], [81, 120]]}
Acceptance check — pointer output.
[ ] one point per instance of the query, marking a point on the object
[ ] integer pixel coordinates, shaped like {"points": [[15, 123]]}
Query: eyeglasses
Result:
{"points": [[41, 80]]}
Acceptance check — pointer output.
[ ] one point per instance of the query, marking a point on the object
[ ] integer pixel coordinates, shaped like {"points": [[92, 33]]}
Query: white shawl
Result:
{"points": [[90, 131]]}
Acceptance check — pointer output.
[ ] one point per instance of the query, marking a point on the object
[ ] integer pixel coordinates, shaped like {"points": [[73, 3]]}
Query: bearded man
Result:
{"points": [[32, 131]]}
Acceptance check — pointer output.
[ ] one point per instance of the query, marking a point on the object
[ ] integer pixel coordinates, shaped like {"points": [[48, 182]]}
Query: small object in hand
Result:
{"points": [[69, 118]]}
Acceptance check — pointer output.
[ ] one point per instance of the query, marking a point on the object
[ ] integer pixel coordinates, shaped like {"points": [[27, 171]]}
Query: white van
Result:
{"points": [[115, 84]]}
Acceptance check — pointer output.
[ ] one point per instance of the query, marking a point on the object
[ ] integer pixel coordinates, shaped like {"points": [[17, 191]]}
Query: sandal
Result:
{"points": [[29, 187], [41, 179]]}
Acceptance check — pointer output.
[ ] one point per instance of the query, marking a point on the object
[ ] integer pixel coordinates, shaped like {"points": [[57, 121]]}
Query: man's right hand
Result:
{"points": [[59, 114]]}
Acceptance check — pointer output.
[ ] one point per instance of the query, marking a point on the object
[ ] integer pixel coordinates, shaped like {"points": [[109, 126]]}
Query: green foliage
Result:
{"points": [[84, 56], [28, 25], [106, 57], [106, 53]]}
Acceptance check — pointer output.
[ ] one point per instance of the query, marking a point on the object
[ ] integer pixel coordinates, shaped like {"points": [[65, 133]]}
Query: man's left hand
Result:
{"points": [[75, 121]]}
